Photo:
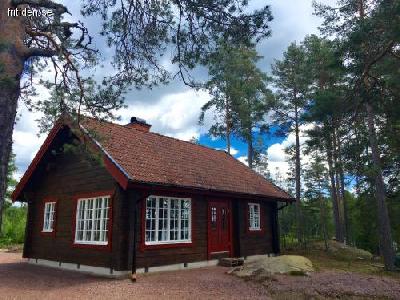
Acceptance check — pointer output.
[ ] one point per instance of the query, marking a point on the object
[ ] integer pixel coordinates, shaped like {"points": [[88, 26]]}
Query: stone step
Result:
{"points": [[231, 262]]}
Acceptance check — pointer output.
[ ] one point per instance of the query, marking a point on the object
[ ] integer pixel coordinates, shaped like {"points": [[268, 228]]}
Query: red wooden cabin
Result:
{"points": [[113, 199]]}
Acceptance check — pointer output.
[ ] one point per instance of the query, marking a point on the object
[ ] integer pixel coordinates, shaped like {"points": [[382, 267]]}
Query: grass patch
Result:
{"points": [[323, 261]]}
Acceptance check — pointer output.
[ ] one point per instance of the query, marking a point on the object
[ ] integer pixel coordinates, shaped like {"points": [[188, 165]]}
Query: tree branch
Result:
{"points": [[396, 55], [31, 52], [377, 58]]}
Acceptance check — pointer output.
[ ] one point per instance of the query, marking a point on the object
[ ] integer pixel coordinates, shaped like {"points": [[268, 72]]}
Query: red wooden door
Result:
{"points": [[219, 227]]}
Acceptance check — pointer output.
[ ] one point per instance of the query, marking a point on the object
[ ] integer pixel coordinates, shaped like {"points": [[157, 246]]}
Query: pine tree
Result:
{"points": [[368, 36], [239, 95], [292, 82], [316, 182], [327, 112]]}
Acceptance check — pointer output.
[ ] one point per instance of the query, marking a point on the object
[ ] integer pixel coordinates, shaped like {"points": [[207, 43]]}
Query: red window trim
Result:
{"points": [[49, 233], [260, 231], [76, 197], [143, 245]]}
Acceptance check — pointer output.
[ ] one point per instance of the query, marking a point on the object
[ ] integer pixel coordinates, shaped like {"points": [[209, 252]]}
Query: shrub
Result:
{"points": [[13, 227]]}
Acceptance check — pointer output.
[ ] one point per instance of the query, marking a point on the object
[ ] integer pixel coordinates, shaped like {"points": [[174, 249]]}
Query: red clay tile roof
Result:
{"points": [[154, 158]]}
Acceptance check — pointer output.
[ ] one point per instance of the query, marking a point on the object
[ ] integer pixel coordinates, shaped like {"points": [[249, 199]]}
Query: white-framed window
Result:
{"points": [[92, 216], [48, 216], [254, 216], [168, 220]]}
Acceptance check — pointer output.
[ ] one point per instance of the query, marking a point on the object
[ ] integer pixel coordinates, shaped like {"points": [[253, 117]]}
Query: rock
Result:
{"points": [[263, 266], [343, 251]]}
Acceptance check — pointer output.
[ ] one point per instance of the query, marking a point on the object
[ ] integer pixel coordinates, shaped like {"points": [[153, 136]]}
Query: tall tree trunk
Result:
{"points": [[299, 222], [322, 220], [228, 126], [8, 108], [228, 140], [342, 192], [385, 235], [339, 187], [250, 150], [12, 58], [335, 204]]}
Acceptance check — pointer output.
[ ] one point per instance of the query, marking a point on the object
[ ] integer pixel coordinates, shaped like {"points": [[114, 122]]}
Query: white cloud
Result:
{"points": [[174, 114], [276, 153], [234, 151], [277, 160], [243, 160], [26, 144]]}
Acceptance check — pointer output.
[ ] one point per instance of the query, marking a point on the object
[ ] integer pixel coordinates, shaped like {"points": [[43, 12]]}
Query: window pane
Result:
{"points": [[150, 219], [48, 216], [92, 220], [167, 219], [174, 220], [163, 219], [254, 216]]}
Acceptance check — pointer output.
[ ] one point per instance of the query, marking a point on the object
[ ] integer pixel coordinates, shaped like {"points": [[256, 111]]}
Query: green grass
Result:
{"points": [[323, 261]]}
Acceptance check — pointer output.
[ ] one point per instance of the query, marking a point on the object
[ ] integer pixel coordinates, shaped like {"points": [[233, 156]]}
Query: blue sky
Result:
{"points": [[238, 145], [174, 109]]}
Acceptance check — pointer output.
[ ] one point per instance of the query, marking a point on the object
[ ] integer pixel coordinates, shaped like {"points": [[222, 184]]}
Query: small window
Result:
{"points": [[223, 219], [92, 216], [254, 216], [168, 220], [48, 216], [213, 218]]}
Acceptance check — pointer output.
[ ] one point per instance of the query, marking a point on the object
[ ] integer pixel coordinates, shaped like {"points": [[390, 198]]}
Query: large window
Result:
{"points": [[254, 216], [168, 220], [92, 220], [48, 216]]}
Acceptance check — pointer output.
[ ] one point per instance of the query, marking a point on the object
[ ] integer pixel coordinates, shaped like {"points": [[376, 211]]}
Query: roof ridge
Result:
{"points": [[159, 134]]}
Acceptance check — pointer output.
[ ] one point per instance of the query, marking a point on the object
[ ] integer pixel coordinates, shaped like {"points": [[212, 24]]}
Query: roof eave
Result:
{"points": [[151, 185]]}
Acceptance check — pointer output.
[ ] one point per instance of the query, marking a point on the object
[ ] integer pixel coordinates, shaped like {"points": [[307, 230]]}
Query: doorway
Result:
{"points": [[219, 228]]}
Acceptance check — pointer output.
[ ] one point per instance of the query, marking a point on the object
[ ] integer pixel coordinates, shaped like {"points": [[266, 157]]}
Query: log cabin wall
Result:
{"points": [[245, 243], [60, 178], [256, 243]]}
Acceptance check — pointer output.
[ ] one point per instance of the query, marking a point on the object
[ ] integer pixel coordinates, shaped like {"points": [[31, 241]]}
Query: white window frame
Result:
{"points": [[168, 241], [93, 217], [49, 212], [252, 216]]}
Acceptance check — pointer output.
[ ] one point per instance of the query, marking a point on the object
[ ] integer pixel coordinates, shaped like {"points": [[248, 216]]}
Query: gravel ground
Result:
{"points": [[20, 280]]}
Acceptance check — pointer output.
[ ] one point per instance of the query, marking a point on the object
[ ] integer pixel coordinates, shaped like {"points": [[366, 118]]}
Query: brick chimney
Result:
{"points": [[139, 124]]}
